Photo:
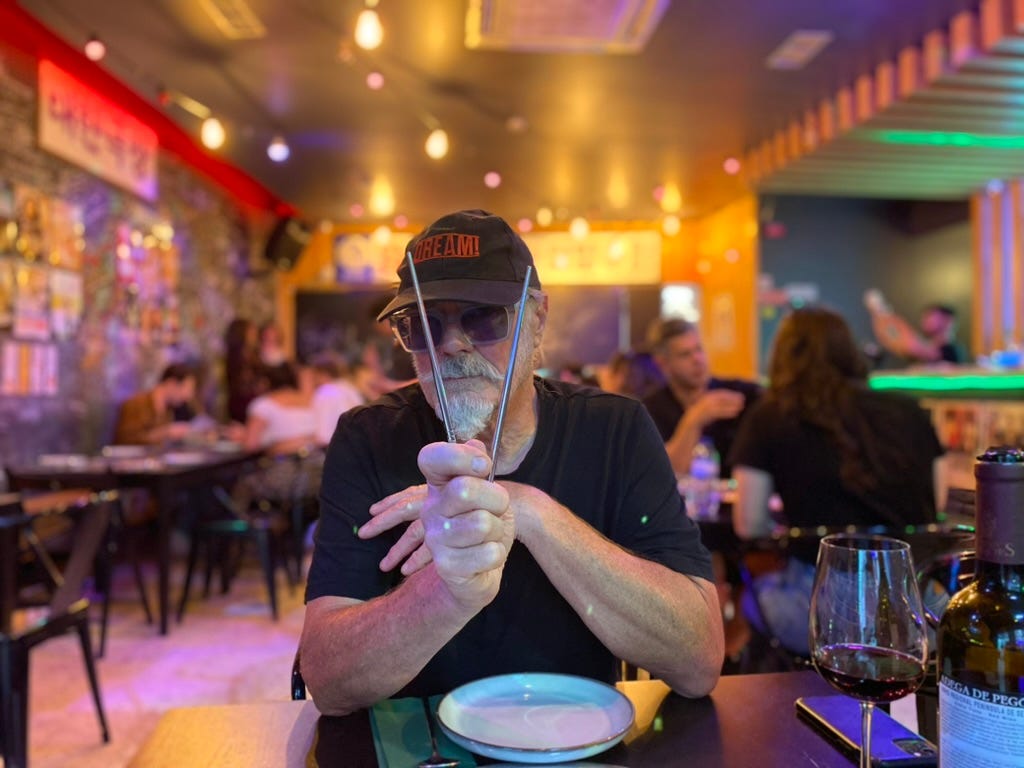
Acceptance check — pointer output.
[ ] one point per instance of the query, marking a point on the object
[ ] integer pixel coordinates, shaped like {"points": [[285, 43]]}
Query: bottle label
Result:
{"points": [[978, 726]]}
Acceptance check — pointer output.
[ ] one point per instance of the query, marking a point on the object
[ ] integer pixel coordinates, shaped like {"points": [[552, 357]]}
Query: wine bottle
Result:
{"points": [[981, 634]]}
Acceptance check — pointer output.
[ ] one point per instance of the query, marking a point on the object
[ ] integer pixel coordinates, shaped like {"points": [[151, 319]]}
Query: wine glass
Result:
{"points": [[868, 634]]}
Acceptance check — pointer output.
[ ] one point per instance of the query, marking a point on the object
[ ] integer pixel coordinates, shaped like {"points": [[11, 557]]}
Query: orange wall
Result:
{"points": [[720, 253]]}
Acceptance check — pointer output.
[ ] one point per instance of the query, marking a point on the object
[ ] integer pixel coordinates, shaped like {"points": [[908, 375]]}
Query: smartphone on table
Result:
{"points": [[893, 745]]}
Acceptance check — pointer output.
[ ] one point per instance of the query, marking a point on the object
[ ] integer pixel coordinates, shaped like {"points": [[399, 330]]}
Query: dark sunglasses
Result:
{"points": [[481, 324]]}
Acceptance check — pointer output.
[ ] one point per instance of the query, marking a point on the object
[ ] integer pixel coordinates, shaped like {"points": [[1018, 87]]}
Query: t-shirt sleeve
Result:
{"points": [[652, 521], [750, 448], [343, 564]]}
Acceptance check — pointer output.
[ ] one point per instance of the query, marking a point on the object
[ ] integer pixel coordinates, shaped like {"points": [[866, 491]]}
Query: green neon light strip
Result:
{"points": [[949, 383], [948, 139]]}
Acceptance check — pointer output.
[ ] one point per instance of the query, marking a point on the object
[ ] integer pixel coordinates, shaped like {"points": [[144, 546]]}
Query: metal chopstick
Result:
{"points": [[503, 403], [435, 366]]}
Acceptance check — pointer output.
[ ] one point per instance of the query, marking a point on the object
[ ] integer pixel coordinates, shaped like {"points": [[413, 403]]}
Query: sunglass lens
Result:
{"points": [[485, 324], [410, 331]]}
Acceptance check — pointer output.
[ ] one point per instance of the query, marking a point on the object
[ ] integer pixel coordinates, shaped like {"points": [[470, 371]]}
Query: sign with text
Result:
{"points": [[82, 127]]}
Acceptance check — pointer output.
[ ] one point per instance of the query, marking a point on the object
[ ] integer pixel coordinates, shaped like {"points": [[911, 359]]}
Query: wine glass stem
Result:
{"points": [[866, 708]]}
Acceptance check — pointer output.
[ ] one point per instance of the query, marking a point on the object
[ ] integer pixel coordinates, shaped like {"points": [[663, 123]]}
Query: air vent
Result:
{"points": [[562, 26], [235, 19], [799, 48]]}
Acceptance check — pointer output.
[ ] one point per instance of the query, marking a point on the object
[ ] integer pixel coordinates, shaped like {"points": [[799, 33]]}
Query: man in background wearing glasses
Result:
{"points": [[426, 575]]}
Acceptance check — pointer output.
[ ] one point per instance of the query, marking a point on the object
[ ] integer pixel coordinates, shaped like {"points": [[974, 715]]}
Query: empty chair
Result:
{"points": [[67, 610]]}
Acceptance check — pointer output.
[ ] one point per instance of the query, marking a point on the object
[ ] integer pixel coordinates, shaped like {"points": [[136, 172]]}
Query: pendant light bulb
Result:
{"points": [[95, 49], [369, 32], [437, 144], [212, 133]]}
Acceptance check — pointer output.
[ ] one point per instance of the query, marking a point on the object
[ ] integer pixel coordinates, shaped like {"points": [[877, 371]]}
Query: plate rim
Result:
{"points": [[610, 740]]}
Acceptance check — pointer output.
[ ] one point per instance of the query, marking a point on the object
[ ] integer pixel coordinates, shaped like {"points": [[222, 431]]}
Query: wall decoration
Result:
{"points": [[66, 303], [84, 128], [32, 303], [7, 293], [30, 211]]}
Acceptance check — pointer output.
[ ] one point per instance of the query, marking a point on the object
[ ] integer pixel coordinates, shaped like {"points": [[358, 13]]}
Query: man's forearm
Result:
{"points": [[680, 446], [643, 612], [355, 654]]}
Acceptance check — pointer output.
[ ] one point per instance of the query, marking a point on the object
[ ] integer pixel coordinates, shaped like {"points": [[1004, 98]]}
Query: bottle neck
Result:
{"points": [[1010, 577]]}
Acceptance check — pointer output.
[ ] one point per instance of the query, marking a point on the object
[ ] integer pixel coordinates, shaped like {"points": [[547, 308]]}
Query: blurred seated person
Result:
{"points": [[387, 366], [281, 423], [634, 374], [836, 452], [933, 342], [271, 345], [693, 403], [241, 364], [148, 418], [334, 394]]}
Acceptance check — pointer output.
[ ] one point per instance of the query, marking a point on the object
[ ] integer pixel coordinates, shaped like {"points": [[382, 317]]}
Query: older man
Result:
{"points": [[577, 555]]}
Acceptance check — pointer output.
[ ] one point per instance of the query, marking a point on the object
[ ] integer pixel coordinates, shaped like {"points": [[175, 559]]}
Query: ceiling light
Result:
{"points": [[579, 228], [381, 235], [375, 81], [401, 221], [799, 48], [95, 49], [356, 210], [671, 225], [492, 179], [524, 225], [278, 150], [731, 166], [516, 124], [671, 199], [212, 133], [437, 144], [545, 216], [369, 32]]}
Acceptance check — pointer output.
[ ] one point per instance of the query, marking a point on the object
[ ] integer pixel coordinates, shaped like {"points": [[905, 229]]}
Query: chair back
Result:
{"points": [[91, 522]]}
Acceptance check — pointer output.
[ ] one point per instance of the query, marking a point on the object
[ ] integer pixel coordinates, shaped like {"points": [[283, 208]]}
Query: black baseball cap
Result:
{"points": [[465, 256]]}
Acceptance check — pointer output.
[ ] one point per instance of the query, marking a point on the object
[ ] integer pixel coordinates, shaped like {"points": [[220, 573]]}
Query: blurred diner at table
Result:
{"points": [[427, 575], [693, 404], [148, 418], [335, 392], [835, 451]]}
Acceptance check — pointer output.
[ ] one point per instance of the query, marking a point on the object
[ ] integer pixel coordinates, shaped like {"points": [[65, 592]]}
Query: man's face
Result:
{"points": [[683, 361], [474, 374], [935, 323], [180, 392]]}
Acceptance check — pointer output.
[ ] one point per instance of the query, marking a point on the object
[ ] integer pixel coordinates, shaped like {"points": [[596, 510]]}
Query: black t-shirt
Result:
{"points": [[804, 464], [596, 453], [667, 411]]}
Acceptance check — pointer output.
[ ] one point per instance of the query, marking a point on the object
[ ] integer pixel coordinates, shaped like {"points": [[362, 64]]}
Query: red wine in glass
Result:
{"points": [[869, 673]]}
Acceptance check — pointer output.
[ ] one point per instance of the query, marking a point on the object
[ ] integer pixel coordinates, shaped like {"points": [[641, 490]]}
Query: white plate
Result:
{"points": [[535, 717]]}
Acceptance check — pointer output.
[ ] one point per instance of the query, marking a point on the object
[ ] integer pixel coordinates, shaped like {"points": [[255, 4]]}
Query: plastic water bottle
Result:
{"points": [[702, 488]]}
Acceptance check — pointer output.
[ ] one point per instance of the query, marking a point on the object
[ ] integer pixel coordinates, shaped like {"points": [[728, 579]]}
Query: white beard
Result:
{"points": [[472, 404]]}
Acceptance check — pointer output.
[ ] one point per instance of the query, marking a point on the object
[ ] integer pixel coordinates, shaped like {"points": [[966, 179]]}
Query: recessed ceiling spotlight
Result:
{"points": [[278, 149], [95, 49], [375, 81], [401, 221], [524, 225], [671, 225], [731, 166], [492, 179], [369, 32], [545, 216], [437, 144], [579, 228], [356, 210]]}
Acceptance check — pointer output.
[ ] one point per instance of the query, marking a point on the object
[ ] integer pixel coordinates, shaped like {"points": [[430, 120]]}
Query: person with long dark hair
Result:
{"points": [[835, 451]]}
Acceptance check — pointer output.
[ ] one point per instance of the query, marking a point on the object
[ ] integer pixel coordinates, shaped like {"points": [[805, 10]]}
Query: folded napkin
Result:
{"points": [[402, 738]]}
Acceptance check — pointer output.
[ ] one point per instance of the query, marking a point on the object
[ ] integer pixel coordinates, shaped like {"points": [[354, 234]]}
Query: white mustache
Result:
{"points": [[464, 366]]}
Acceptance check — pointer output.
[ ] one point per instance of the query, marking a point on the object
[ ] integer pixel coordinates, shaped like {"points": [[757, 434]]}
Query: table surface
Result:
{"points": [[747, 720]]}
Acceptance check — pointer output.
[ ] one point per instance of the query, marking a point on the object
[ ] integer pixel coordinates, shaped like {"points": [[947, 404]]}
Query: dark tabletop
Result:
{"points": [[749, 720]]}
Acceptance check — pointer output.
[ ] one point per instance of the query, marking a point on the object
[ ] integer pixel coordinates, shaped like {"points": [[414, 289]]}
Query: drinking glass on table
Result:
{"points": [[868, 635]]}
